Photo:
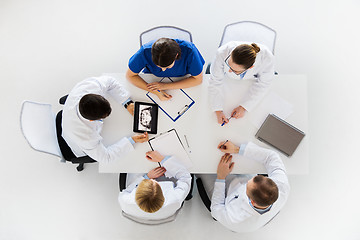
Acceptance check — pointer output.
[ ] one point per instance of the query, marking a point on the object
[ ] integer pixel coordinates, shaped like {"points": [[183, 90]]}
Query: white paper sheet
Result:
{"points": [[271, 104], [169, 144]]}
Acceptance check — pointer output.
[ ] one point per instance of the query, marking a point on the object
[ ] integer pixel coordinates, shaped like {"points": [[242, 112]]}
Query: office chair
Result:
{"points": [[37, 123], [164, 31], [64, 147], [122, 184], [248, 31]]}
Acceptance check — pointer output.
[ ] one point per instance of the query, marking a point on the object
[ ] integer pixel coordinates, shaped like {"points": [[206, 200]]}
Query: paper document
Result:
{"points": [[177, 105], [271, 104], [169, 144]]}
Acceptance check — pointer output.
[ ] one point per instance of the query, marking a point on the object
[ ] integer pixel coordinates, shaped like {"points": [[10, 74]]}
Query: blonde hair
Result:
{"points": [[149, 196], [245, 54]]}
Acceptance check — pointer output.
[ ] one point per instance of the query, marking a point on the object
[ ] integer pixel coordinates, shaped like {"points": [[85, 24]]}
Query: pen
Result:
{"points": [[229, 118], [187, 143], [224, 144]]}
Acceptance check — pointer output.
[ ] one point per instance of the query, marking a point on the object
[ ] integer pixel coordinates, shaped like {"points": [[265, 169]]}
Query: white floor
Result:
{"points": [[46, 47]]}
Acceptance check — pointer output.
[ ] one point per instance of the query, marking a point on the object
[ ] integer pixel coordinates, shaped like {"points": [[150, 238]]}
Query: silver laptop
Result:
{"points": [[280, 135]]}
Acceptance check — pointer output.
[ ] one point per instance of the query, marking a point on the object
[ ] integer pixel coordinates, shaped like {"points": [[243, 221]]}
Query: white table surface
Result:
{"points": [[203, 132]]}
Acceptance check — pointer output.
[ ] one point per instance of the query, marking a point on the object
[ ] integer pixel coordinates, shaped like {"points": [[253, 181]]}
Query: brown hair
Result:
{"points": [[94, 107], [245, 54], [265, 191], [165, 51], [149, 196]]}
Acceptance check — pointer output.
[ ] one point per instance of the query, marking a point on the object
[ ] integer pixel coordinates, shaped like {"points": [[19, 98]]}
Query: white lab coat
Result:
{"points": [[263, 68], [82, 135], [234, 211], [174, 195]]}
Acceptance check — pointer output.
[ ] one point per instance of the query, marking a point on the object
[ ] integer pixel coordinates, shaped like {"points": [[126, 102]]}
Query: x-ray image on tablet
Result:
{"points": [[145, 117]]}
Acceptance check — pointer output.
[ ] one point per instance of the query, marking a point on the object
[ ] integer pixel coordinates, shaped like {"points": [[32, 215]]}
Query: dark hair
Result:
{"points": [[245, 54], [164, 50], [265, 191], [94, 107]]}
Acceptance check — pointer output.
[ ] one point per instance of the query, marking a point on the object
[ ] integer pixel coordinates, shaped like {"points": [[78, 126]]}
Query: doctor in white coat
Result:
{"points": [[245, 203], [83, 114], [240, 60], [152, 198]]}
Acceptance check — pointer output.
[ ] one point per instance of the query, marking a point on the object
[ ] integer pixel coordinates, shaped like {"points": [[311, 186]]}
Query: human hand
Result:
{"points": [[228, 147], [156, 172], [154, 156], [238, 112], [221, 117], [130, 108], [163, 96], [141, 138], [225, 166], [156, 86]]}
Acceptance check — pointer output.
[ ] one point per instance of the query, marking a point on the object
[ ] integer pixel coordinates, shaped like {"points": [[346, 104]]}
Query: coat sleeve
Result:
{"points": [[274, 166], [177, 170], [218, 208], [108, 154], [216, 94], [111, 86], [264, 79]]}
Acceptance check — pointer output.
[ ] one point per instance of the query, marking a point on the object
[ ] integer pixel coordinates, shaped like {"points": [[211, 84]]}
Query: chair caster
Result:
{"points": [[188, 197], [80, 167]]}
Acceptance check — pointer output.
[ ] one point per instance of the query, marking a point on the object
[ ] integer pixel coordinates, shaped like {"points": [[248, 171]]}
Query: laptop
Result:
{"points": [[280, 135]]}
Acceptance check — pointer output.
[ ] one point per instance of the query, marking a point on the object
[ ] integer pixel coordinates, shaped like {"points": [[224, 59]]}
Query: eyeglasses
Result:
{"points": [[236, 72]]}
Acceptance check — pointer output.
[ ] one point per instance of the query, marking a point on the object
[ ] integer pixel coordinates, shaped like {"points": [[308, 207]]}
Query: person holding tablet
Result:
{"points": [[244, 203], [166, 57], [240, 60], [153, 198], [83, 114]]}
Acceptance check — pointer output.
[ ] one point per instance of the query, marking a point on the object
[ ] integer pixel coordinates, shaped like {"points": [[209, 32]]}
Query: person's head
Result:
{"points": [[164, 52], [149, 196], [94, 107], [262, 191], [242, 57]]}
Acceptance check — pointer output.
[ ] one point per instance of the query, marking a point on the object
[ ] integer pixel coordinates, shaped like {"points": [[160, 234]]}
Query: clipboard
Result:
{"points": [[175, 107], [169, 143]]}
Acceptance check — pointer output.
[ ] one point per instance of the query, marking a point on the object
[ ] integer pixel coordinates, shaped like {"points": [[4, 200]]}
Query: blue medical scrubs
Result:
{"points": [[191, 62]]}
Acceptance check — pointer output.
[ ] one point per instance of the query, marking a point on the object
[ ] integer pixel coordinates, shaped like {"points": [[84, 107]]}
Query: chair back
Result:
{"points": [[164, 31], [249, 31], [37, 122]]}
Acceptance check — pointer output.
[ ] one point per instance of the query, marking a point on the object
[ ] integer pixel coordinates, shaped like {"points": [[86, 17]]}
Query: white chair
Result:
{"points": [[249, 31], [164, 31], [37, 122]]}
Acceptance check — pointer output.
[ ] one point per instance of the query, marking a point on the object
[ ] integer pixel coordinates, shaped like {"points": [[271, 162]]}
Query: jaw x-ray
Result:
{"points": [[145, 117]]}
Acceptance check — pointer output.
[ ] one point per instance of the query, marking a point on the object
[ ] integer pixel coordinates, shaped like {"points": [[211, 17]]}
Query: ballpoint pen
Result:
{"points": [[229, 118], [187, 143], [223, 144]]}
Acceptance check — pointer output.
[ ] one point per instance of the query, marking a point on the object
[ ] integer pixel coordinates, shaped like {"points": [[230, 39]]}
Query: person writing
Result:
{"points": [[244, 203], [166, 57], [240, 60], [83, 114], [154, 198]]}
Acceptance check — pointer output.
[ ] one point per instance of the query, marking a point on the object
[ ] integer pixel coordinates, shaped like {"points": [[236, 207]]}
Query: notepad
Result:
{"points": [[177, 105], [169, 144]]}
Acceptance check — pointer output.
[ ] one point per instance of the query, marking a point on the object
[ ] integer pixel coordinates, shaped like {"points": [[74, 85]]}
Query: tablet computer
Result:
{"points": [[280, 134], [145, 117]]}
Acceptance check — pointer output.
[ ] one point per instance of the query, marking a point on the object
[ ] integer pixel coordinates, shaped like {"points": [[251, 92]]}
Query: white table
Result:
{"points": [[203, 132]]}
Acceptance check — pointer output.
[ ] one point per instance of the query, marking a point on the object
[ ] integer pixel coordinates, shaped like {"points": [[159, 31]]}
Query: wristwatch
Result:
{"points": [[128, 103]]}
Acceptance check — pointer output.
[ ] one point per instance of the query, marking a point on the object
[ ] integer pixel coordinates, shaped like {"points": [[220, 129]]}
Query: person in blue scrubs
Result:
{"points": [[166, 58]]}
